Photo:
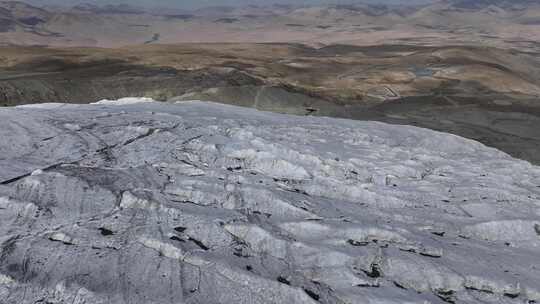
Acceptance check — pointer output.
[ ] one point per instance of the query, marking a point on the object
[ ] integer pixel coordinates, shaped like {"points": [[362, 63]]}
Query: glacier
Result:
{"points": [[198, 202]]}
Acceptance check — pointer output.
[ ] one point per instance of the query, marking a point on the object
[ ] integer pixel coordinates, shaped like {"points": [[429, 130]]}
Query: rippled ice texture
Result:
{"points": [[206, 203]]}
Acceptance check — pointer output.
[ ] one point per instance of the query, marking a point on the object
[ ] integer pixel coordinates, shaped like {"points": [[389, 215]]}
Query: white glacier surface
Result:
{"points": [[146, 202]]}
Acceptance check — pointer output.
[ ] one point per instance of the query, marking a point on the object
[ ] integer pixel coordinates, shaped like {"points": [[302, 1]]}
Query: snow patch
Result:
{"points": [[124, 101]]}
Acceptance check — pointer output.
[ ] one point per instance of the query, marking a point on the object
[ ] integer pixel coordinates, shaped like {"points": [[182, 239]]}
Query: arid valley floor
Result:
{"points": [[484, 93]]}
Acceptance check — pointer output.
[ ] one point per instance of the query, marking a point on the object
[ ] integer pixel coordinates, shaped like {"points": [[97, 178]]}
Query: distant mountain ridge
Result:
{"points": [[109, 9], [125, 24], [480, 4]]}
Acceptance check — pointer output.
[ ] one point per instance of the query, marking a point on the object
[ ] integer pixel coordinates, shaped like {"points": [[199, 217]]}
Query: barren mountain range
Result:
{"points": [[501, 22]]}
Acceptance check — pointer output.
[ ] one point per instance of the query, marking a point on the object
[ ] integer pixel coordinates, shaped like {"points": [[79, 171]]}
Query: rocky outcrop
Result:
{"points": [[56, 80], [205, 203]]}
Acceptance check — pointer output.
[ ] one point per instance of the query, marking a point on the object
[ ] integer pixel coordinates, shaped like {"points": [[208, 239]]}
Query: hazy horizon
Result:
{"points": [[190, 4]]}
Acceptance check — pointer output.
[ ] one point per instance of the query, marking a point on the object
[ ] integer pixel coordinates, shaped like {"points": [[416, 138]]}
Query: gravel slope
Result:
{"points": [[207, 203]]}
